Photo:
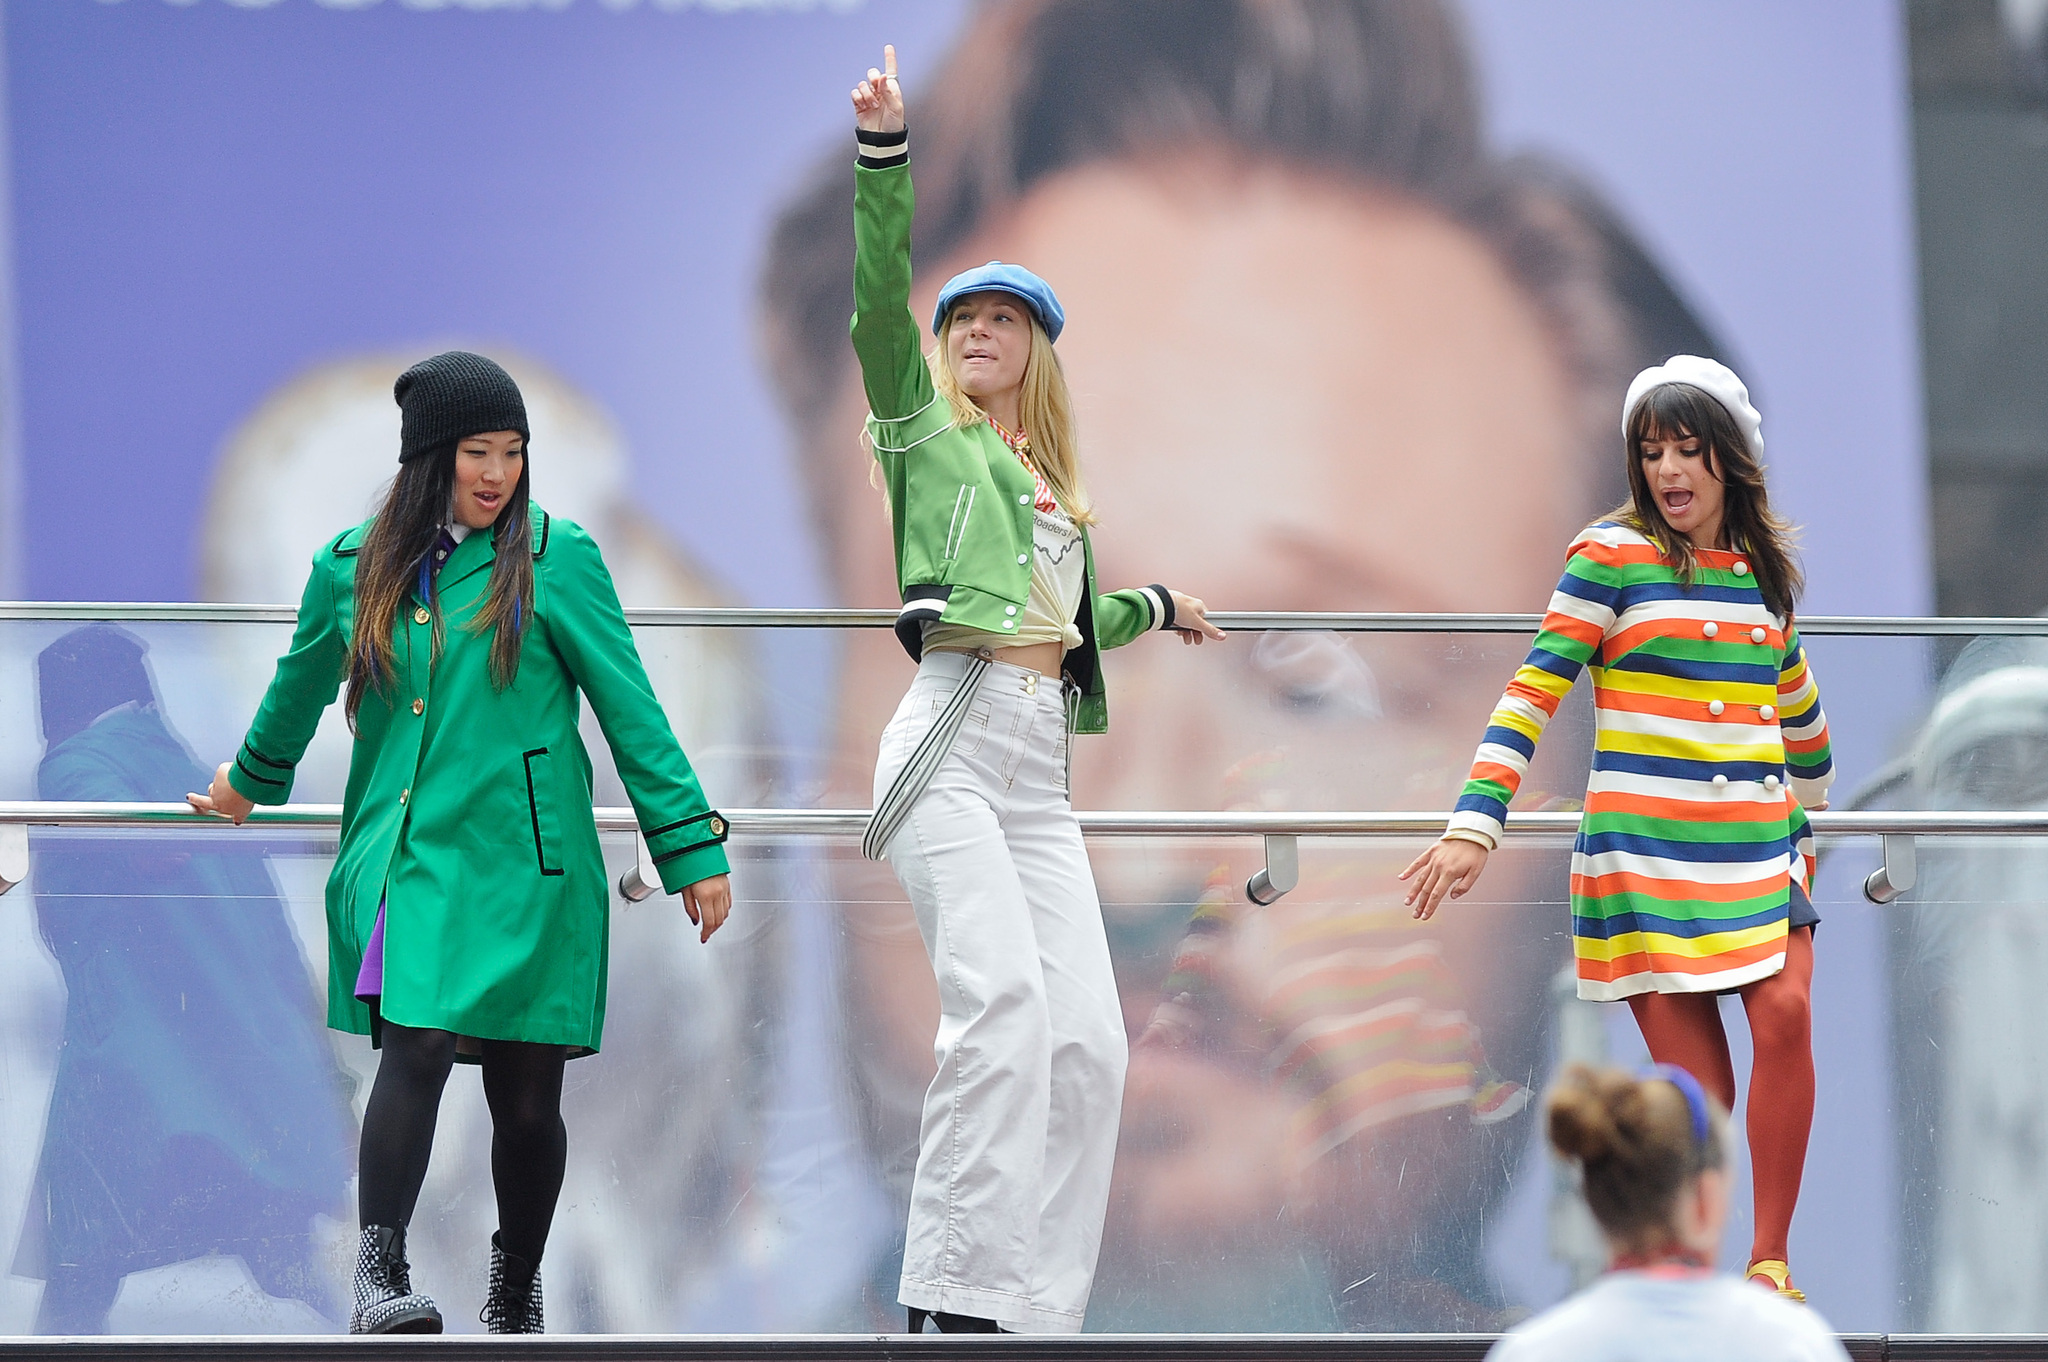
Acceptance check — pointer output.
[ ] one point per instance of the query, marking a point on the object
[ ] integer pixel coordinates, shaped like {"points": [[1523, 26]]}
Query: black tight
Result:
{"points": [[529, 1144]]}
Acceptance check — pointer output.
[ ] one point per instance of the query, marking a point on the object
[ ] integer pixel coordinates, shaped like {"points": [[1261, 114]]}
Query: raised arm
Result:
{"points": [[886, 337], [685, 835], [304, 685], [1582, 609]]}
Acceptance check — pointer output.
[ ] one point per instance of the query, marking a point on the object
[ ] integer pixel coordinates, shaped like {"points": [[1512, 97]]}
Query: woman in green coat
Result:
{"points": [[467, 908]]}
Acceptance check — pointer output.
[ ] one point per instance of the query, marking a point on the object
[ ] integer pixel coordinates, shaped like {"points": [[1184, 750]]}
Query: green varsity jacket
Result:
{"points": [[959, 499]]}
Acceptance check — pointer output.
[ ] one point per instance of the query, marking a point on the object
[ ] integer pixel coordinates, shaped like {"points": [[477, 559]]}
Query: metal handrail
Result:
{"points": [[779, 823], [1896, 829], [1355, 622]]}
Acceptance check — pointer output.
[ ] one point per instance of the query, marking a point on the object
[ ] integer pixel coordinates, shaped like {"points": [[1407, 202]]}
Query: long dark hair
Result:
{"points": [[394, 557], [1679, 411]]}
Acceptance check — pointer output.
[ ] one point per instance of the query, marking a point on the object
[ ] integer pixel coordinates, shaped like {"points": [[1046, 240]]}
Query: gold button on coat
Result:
{"points": [[405, 794], [420, 616], [419, 706], [718, 827]]}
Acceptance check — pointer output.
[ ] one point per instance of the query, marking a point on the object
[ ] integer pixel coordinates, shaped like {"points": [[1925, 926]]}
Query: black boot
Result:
{"points": [[952, 1324], [385, 1300], [513, 1307]]}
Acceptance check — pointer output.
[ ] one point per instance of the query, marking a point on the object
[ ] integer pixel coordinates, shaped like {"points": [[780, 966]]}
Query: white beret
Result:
{"points": [[1712, 377]]}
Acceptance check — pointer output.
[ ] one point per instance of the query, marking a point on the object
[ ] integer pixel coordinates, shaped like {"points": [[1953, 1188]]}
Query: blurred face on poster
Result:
{"points": [[1326, 355]]}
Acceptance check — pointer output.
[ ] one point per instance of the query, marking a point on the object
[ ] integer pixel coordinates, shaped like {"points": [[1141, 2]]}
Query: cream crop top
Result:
{"points": [[1058, 577]]}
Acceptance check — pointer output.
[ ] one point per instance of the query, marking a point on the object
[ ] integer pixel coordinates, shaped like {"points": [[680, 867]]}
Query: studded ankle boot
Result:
{"points": [[385, 1300], [513, 1307]]}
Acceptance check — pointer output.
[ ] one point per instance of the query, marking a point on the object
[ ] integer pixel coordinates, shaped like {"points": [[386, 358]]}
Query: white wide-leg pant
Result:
{"points": [[1020, 1124]]}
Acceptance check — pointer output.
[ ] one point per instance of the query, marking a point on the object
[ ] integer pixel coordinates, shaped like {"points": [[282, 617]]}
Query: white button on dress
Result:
{"points": [[1770, 782], [1720, 782], [1757, 635], [1766, 712], [1715, 706], [1741, 568], [1711, 629]]}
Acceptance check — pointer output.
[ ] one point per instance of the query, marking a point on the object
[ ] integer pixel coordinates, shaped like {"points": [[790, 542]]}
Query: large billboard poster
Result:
{"points": [[1355, 291]]}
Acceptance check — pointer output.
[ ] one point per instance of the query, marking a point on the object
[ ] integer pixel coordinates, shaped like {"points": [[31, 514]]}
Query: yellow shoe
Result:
{"points": [[1776, 1274]]}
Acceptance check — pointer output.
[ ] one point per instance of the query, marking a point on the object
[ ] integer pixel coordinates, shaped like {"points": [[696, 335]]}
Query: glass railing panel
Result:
{"points": [[1281, 719], [739, 1150], [741, 1147]]}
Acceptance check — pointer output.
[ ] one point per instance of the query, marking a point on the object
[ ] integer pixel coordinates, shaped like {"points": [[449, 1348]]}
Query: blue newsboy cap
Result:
{"points": [[996, 277]]}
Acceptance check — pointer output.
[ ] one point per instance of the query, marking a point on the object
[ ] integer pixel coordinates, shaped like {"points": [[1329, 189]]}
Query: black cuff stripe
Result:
{"points": [[271, 762], [867, 162], [668, 856], [881, 139], [243, 767], [1166, 602], [671, 827]]}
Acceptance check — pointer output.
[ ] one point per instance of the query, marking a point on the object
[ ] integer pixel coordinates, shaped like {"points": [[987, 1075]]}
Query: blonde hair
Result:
{"points": [[1045, 407]]}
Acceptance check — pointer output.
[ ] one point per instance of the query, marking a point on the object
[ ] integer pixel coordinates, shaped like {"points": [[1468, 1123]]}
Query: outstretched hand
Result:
{"points": [[1450, 867], [708, 902], [222, 800], [1191, 620], [878, 100]]}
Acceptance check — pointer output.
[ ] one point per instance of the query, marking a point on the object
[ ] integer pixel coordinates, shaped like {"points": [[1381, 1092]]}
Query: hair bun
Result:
{"points": [[1590, 1114]]}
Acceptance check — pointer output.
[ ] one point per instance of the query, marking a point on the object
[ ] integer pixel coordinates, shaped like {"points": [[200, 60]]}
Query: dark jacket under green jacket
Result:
{"points": [[468, 806]]}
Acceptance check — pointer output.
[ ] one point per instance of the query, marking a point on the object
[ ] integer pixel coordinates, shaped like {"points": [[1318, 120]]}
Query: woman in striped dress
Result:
{"points": [[1694, 862]]}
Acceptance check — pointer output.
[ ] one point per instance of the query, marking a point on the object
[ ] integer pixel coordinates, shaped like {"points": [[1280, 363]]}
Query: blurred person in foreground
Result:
{"points": [[468, 908], [1692, 873], [1652, 1153], [1349, 359], [197, 1108]]}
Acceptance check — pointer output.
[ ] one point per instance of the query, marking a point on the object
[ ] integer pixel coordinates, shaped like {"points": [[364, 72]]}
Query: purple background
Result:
{"points": [[207, 199]]}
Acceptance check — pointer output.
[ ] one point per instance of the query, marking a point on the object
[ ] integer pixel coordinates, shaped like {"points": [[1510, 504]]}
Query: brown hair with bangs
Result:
{"points": [[1680, 411], [394, 559]]}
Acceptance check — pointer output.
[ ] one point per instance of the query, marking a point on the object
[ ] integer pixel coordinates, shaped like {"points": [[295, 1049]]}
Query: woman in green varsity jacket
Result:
{"points": [[467, 908], [976, 448]]}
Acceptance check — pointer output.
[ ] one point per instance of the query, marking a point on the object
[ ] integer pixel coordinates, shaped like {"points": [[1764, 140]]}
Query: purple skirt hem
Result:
{"points": [[370, 978]]}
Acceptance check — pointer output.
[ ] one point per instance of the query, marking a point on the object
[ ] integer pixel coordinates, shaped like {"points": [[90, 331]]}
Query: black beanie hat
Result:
{"points": [[86, 673], [453, 396]]}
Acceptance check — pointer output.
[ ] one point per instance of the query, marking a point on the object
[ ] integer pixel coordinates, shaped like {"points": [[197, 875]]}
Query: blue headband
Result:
{"points": [[1689, 1088]]}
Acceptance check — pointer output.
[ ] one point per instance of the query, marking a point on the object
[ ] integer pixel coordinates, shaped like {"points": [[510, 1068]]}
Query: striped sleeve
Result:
{"points": [[1581, 611], [1809, 762]]}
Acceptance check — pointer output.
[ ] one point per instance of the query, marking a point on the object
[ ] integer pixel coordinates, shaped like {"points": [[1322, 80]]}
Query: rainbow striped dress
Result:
{"points": [[1709, 744]]}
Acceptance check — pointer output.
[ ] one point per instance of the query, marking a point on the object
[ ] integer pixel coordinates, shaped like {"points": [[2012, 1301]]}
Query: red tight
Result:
{"points": [[1685, 1029]]}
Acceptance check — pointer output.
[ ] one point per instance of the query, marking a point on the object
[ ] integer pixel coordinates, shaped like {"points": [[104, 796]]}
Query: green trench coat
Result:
{"points": [[468, 807]]}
